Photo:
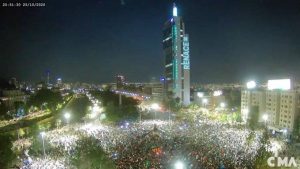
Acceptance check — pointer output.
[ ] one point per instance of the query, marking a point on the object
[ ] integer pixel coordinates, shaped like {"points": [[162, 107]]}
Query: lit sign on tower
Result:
{"points": [[281, 84], [186, 53]]}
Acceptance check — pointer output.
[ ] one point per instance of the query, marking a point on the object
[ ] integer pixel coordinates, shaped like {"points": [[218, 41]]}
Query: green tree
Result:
{"points": [[77, 107], [172, 104], [297, 129], [19, 108], [114, 111], [7, 156], [253, 117], [45, 97], [233, 98], [3, 111]]}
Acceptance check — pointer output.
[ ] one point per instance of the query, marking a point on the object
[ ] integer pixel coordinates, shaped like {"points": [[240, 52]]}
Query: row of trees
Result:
{"points": [[42, 99], [114, 111], [45, 97]]}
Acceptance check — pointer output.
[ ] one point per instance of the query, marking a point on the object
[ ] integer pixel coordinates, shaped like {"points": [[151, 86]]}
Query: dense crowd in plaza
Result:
{"points": [[45, 163], [158, 144], [198, 146]]}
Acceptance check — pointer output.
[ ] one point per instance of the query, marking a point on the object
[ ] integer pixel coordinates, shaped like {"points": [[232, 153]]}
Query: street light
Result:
{"points": [[200, 94], [155, 107], [179, 165], [204, 101], [67, 116], [251, 84], [222, 104], [265, 118], [43, 135]]}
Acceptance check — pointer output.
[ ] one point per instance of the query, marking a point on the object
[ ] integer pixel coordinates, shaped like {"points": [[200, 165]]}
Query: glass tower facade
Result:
{"points": [[177, 59]]}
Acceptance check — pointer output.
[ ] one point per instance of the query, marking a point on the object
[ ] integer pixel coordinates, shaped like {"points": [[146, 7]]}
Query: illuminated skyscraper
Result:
{"points": [[177, 59]]}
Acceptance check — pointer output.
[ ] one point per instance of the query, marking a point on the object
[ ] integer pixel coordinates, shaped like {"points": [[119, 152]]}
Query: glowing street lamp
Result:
{"points": [[251, 85], [205, 101], [179, 165], [155, 107], [43, 135], [223, 105], [200, 94], [67, 116]]}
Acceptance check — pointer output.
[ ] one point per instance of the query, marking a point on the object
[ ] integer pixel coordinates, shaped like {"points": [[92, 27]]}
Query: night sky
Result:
{"points": [[93, 40]]}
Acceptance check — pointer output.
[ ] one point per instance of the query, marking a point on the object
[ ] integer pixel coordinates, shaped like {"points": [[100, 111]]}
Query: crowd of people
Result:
{"points": [[197, 146], [64, 139], [21, 144], [159, 144], [44, 163]]}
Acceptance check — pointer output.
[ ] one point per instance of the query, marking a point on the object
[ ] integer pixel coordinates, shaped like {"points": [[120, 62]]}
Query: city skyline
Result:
{"points": [[231, 41], [173, 84]]}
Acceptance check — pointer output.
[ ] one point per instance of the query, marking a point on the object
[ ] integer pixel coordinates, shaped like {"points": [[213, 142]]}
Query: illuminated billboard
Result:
{"points": [[186, 53], [281, 84]]}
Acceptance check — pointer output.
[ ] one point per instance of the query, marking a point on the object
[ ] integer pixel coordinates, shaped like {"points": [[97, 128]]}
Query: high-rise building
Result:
{"points": [[280, 105], [252, 99], [177, 59], [120, 81]]}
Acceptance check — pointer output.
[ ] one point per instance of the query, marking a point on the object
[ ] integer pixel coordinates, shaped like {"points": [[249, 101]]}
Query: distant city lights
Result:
{"points": [[217, 93]]}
